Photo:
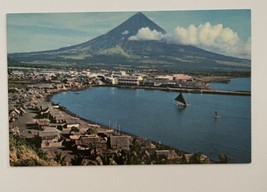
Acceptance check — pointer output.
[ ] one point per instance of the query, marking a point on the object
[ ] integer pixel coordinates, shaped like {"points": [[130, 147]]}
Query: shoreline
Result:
{"points": [[44, 95], [102, 126], [139, 87]]}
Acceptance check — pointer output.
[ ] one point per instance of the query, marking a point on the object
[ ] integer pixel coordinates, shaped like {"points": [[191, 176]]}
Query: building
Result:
{"points": [[50, 137], [164, 77], [130, 80], [42, 123], [120, 142], [118, 73], [168, 154], [85, 73], [182, 77], [87, 140], [72, 122], [112, 80], [189, 158]]}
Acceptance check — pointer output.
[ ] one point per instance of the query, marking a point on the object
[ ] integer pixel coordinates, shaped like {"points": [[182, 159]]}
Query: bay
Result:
{"points": [[236, 84], [154, 115]]}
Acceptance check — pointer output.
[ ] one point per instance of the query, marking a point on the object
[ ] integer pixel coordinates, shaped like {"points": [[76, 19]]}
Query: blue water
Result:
{"points": [[236, 84], [154, 115]]}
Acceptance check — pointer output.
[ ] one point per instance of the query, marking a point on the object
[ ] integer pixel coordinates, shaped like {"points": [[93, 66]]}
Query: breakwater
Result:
{"points": [[185, 90]]}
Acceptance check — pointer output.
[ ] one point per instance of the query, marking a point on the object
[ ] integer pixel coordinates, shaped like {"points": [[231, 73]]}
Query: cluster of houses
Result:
{"points": [[49, 127], [46, 125]]}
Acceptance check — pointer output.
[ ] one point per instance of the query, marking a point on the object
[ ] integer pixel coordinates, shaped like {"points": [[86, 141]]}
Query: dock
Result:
{"points": [[211, 91], [189, 90]]}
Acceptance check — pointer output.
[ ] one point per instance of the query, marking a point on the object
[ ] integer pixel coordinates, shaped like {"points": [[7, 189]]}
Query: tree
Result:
{"points": [[74, 129], [60, 158], [78, 160]]}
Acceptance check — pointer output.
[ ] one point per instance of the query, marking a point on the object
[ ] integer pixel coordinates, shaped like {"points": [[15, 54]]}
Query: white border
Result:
{"points": [[219, 178]]}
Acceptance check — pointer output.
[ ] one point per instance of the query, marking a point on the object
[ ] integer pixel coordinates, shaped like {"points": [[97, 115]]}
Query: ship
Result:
{"points": [[181, 101], [216, 116]]}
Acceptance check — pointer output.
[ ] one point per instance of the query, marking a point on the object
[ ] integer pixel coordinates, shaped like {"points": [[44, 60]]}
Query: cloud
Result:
{"points": [[125, 32], [215, 38], [146, 34]]}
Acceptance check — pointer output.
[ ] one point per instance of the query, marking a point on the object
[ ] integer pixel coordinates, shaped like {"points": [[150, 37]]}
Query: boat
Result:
{"points": [[216, 116], [55, 105], [181, 101]]}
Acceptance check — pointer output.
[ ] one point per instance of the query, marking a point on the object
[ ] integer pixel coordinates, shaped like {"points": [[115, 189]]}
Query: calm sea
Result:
{"points": [[236, 84], [154, 115]]}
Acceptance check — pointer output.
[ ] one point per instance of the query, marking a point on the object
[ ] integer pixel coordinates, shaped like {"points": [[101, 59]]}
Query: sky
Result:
{"points": [[223, 31]]}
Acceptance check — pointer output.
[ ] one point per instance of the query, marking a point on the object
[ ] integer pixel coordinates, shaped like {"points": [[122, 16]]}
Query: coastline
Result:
{"points": [[131, 87], [44, 95], [102, 126]]}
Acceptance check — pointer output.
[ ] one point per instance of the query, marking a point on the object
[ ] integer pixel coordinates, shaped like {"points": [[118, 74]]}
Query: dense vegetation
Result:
{"points": [[23, 153]]}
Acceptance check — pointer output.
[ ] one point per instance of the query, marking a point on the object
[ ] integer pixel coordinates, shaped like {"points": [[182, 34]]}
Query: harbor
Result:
{"points": [[154, 114], [46, 109]]}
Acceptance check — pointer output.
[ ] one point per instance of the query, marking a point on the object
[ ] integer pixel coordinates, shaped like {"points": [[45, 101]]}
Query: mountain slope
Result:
{"points": [[117, 48], [23, 153]]}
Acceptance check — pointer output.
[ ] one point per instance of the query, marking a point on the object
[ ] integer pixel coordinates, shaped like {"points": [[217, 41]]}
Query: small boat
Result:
{"points": [[181, 101], [55, 105], [216, 116]]}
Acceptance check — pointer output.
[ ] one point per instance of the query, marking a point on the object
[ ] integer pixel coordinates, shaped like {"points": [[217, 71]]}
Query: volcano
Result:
{"points": [[125, 46]]}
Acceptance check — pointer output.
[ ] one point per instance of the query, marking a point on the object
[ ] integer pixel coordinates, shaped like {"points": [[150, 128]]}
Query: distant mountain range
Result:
{"points": [[120, 48]]}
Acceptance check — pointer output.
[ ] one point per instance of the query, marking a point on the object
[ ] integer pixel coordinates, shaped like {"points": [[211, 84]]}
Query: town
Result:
{"points": [[67, 139]]}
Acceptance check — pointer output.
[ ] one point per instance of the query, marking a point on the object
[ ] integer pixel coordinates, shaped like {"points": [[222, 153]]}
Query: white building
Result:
{"points": [[164, 77], [112, 80], [85, 73], [118, 73], [130, 80]]}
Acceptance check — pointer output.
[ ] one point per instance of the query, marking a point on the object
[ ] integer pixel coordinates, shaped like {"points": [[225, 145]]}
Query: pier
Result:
{"points": [[211, 91], [188, 90]]}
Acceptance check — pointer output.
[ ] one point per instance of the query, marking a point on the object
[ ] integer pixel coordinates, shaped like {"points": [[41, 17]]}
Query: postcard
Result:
{"points": [[129, 88]]}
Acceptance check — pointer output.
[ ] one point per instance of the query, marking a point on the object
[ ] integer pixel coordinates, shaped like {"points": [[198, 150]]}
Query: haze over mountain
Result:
{"points": [[137, 42]]}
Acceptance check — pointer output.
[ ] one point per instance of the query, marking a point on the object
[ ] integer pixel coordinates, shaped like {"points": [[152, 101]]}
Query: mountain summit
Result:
{"points": [[131, 26], [137, 42], [122, 33]]}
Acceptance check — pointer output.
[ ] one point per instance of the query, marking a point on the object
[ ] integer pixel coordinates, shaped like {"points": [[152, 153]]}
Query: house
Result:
{"points": [[168, 154], [201, 158], [22, 110], [44, 112], [87, 140], [43, 123], [120, 142], [72, 122], [14, 113], [18, 73], [50, 137], [56, 116], [162, 153]]}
